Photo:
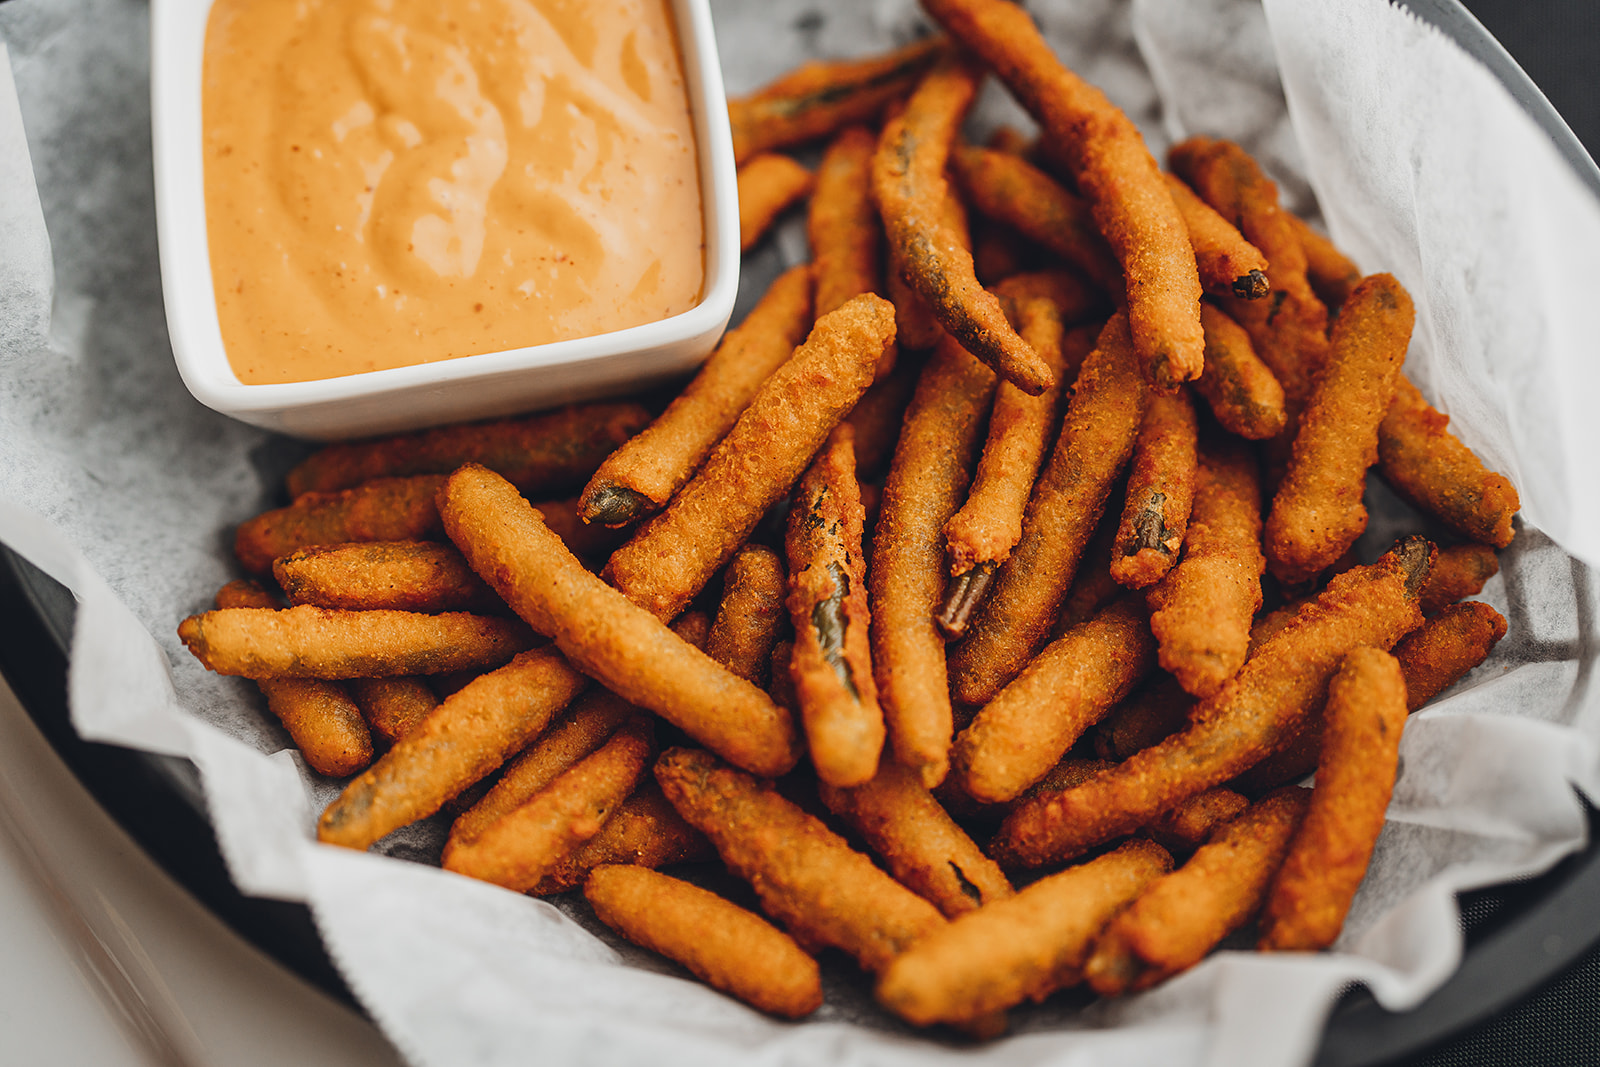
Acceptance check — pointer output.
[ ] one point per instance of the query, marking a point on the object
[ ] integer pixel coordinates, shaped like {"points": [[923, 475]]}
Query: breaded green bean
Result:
{"points": [[932, 465], [322, 720], [308, 642], [1153, 713], [1160, 491], [751, 615], [1355, 776], [642, 475], [769, 184], [1238, 387], [646, 831], [1010, 190], [925, 850], [725, 946], [1429, 467], [517, 850], [832, 659], [396, 575], [393, 706], [1202, 609], [1442, 650], [1229, 265], [909, 185], [1318, 512], [1113, 170], [386, 509], [1018, 736], [544, 454], [1459, 571], [592, 719], [1253, 716], [1025, 947], [617, 643], [1331, 273], [980, 536], [843, 227], [821, 97], [672, 556], [823, 891], [1096, 440], [468, 735], [1183, 915]]}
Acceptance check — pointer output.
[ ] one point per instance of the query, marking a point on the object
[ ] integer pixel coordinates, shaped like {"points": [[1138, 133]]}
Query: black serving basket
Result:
{"points": [[1526, 989]]}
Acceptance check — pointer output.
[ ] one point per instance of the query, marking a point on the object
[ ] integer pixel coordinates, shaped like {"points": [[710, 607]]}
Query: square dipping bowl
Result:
{"points": [[483, 386]]}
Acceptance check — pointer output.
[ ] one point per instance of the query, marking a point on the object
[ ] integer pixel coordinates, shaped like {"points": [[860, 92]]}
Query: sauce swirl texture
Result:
{"points": [[393, 182]]}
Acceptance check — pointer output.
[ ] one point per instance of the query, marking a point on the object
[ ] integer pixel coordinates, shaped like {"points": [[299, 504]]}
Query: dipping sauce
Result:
{"points": [[393, 182]]}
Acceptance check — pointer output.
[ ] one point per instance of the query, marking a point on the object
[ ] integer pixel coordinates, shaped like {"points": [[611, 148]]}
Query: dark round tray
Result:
{"points": [[1532, 948]]}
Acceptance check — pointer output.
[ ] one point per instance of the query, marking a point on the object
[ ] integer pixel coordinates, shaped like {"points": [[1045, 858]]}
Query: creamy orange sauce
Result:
{"points": [[392, 182]]}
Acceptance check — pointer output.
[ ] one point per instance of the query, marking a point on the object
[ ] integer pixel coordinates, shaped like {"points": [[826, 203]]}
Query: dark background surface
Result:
{"points": [[1558, 43]]}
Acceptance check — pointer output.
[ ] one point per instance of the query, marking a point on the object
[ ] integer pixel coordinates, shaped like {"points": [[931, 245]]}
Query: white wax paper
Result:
{"points": [[117, 483]]}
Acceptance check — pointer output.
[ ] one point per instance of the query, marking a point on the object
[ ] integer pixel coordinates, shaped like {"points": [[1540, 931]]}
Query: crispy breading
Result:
{"points": [[1328, 858]]}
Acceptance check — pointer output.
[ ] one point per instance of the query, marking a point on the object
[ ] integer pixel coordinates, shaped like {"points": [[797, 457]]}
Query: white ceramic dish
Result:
{"points": [[470, 387]]}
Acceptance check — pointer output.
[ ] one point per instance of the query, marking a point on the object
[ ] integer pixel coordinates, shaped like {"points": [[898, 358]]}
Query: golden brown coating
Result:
{"points": [[1010, 190], [1114, 172], [751, 614], [807, 877], [1458, 572], [1288, 330], [385, 509], [1092, 586], [1253, 716], [393, 706], [1097, 437], [1238, 387], [1433, 657], [1202, 610], [1429, 466], [982, 534], [821, 97], [722, 944], [1318, 512], [642, 475], [1191, 824], [769, 184], [396, 575], [672, 556], [1155, 712], [322, 720], [1160, 491], [605, 635], [547, 453], [518, 849], [1328, 858], [925, 850], [1229, 265], [1076, 303], [932, 464], [1025, 947], [308, 642], [587, 725], [843, 227], [1182, 916], [645, 831], [1331, 273], [831, 662], [879, 414], [468, 735], [909, 186], [1019, 735], [1442, 650]]}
